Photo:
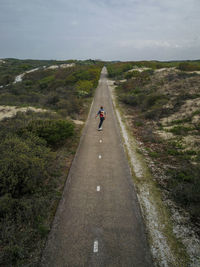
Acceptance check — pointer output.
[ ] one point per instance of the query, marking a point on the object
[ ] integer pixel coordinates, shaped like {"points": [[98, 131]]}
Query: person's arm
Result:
{"points": [[98, 113]]}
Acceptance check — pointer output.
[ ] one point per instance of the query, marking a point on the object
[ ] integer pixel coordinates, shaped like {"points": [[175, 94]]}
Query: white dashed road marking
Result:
{"points": [[98, 188], [95, 246], [100, 156]]}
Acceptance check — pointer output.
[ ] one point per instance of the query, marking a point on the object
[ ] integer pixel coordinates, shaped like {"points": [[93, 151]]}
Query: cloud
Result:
{"points": [[115, 29]]}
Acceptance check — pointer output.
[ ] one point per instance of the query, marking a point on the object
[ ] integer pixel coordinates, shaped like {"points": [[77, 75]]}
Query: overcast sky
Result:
{"points": [[100, 29]]}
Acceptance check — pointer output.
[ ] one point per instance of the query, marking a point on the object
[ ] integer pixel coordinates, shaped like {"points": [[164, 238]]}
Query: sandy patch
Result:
{"points": [[53, 67], [160, 249], [139, 69], [166, 69], [196, 71], [62, 66], [11, 111], [18, 78], [77, 122], [165, 135], [192, 142]]}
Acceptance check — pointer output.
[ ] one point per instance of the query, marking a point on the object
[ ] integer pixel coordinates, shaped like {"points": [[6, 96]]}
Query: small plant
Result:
{"points": [[153, 154], [197, 112], [181, 121], [173, 152], [180, 130], [139, 123]]}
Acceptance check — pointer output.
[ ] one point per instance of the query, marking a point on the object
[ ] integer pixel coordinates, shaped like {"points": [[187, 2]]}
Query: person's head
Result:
{"points": [[101, 107]]}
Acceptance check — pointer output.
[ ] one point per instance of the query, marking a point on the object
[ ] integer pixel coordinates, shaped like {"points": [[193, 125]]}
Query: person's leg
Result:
{"points": [[101, 122]]}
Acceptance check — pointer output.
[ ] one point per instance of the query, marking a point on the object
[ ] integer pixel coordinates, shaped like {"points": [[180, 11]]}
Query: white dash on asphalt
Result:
{"points": [[95, 246], [98, 188], [100, 156], [100, 141]]}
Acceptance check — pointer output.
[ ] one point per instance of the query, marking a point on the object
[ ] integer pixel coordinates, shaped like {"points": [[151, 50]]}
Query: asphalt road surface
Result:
{"points": [[98, 221]]}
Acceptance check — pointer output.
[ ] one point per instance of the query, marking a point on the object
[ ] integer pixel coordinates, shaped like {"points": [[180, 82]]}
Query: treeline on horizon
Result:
{"points": [[13, 67], [117, 69]]}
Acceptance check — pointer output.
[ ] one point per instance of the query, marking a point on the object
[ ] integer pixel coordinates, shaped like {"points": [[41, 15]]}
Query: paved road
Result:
{"points": [[98, 222]]}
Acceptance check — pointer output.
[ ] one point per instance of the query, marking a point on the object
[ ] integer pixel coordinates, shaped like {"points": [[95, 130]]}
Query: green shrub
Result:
{"points": [[118, 69], [5, 79], [152, 99], [185, 185], [197, 112], [173, 152], [186, 66], [129, 75], [28, 180], [84, 87], [181, 121], [139, 123], [43, 230], [44, 83], [23, 166], [180, 130], [54, 132], [129, 99], [154, 154], [71, 79]]}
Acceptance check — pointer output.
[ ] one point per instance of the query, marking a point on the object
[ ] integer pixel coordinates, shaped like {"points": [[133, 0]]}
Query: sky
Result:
{"points": [[100, 29]]}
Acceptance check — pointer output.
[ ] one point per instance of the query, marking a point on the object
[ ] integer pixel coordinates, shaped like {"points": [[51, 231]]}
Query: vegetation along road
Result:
{"points": [[98, 222]]}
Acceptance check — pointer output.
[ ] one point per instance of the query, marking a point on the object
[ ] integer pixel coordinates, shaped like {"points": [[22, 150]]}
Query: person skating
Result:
{"points": [[102, 115]]}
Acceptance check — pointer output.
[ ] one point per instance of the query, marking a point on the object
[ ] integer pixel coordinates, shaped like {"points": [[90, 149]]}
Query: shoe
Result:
{"points": [[100, 129]]}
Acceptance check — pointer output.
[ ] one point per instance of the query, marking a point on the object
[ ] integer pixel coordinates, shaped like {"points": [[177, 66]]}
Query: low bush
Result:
{"points": [[54, 132], [185, 185], [27, 182], [180, 121], [118, 69], [186, 66], [180, 130], [30, 174], [23, 165]]}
